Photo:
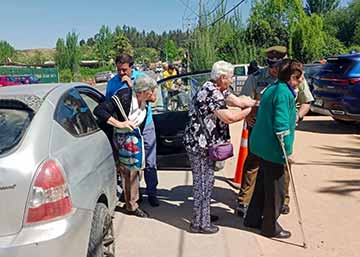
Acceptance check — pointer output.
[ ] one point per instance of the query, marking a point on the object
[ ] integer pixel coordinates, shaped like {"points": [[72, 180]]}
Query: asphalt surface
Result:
{"points": [[327, 181]]}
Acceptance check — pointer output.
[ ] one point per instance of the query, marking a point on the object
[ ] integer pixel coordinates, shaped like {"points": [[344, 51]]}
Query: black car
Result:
{"points": [[310, 71], [170, 124]]}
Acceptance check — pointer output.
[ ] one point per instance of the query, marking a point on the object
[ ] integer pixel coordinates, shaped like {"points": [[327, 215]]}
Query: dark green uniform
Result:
{"points": [[254, 85]]}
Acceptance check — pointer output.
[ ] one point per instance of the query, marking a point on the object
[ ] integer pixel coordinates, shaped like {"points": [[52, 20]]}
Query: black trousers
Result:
{"points": [[268, 198]]}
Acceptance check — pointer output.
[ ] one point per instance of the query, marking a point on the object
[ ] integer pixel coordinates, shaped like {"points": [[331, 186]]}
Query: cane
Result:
{"points": [[280, 137]]}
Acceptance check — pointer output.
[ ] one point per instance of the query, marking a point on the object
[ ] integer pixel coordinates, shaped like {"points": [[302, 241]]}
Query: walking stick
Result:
{"points": [[280, 137]]}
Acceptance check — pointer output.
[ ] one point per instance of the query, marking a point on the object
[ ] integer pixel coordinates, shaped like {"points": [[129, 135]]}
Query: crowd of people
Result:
{"points": [[273, 100]]}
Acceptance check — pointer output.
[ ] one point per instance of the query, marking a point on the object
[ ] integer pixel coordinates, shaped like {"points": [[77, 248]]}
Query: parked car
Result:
{"points": [[6, 80], [310, 71], [337, 88], [27, 79], [103, 76], [57, 173]]}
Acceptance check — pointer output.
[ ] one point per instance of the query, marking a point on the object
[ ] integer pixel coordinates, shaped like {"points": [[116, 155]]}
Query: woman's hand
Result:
{"points": [[291, 158], [126, 125], [121, 124]]}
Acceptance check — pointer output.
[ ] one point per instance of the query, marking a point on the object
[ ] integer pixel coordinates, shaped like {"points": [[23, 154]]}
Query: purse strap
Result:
{"points": [[119, 105]]}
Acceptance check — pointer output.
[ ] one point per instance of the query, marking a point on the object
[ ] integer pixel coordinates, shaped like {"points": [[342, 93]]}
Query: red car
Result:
{"points": [[8, 81]]}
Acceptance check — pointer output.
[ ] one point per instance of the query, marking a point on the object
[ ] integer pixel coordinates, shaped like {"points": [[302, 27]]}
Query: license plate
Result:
{"points": [[318, 102]]}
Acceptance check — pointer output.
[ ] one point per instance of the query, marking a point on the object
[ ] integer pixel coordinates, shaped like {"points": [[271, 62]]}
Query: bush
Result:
{"points": [[65, 75]]}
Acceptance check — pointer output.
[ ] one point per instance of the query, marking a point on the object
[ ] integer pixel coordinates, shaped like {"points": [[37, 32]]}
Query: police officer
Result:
{"points": [[253, 87]]}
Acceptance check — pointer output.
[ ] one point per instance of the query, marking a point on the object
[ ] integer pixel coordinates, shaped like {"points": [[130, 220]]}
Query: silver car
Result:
{"points": [[57, 173]]}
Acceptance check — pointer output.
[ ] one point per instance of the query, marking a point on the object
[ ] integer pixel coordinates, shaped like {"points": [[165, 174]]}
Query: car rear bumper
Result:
{"points": [[67, 237], [337, 114]]}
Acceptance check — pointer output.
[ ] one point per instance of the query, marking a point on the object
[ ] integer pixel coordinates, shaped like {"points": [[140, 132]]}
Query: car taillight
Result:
{"points": [[343, 82], [354, 81], [49, 195]]}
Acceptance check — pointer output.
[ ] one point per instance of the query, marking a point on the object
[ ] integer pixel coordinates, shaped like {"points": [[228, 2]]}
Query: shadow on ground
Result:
{"points": [[176, 207], [344, 157], [328, 127], [342, 187]]}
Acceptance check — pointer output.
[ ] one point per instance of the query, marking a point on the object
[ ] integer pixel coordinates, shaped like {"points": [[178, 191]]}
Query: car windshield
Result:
{"points": [[13, 124], [239, 71], [175, 94], [337, 66]]}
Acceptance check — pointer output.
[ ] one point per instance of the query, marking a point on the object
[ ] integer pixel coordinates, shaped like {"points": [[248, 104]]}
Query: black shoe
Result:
{"points": [[139, 213], [153, 201], [283, 234], [285, 209], [214, 218], [212, 229]]}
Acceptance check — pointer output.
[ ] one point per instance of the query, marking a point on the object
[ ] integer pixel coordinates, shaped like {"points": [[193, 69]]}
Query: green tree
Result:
{"points": [[146, 55], [121, 44], [61, 58], [6, 51], [73, 52], [321, 6], [171, 50], [104, 44]]}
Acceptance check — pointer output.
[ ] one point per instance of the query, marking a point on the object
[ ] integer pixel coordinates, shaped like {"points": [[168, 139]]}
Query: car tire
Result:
{"points": [[347, 122], [102, 239]]}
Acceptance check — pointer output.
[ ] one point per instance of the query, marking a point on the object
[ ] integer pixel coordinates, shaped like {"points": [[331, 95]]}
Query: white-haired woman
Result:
{"points": [[210, 106], [133, 101]]}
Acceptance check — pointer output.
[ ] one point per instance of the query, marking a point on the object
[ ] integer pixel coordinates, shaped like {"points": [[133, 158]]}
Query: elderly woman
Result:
{"points": [[210, 106], [276, 118], [133, 101]]}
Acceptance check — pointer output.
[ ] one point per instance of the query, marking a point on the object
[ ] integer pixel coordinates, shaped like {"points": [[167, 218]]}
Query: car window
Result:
{"points": [[337, 66], [73, 114], [178, 96], [239, 71], [13, 124]]}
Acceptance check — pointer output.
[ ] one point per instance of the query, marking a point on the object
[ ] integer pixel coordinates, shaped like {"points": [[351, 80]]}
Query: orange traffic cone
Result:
{"points": [[243, 152]]}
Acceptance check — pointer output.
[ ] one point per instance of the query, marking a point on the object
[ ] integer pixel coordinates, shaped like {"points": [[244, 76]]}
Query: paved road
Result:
{"points": [[328, 185]]}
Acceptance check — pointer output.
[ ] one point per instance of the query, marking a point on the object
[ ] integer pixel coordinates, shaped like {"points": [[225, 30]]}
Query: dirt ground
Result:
{"points": [[327, 178]]}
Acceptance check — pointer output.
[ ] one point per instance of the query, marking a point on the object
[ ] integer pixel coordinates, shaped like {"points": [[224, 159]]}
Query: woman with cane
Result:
{"points": [[276, 118]]}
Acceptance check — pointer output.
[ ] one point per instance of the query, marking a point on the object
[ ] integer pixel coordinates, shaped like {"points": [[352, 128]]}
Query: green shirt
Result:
{"points": [[277, 113]]}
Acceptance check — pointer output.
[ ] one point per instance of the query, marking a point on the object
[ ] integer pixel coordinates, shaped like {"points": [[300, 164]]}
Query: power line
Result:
{"points": [[232, 9], [215, 8]]}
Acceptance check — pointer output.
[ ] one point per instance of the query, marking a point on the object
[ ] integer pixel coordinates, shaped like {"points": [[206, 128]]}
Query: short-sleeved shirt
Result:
{"points": [[116, 84], [207, 100], [258, 81]]}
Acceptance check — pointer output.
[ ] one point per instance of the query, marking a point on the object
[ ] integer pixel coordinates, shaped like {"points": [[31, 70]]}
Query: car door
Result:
{"points": [[170, 124], [83, 149]]}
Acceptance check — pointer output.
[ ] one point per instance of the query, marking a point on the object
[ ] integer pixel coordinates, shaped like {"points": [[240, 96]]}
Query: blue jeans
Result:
{"points": [[150, 173], [165, 96]]}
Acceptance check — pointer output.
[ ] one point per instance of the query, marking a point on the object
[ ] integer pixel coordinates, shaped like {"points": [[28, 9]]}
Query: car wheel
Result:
{"points": [[102, 239], [347, 122]]}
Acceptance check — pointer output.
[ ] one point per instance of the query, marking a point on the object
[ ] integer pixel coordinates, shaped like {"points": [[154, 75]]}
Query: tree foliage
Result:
{"points": [[320, 6], [6, 51]]}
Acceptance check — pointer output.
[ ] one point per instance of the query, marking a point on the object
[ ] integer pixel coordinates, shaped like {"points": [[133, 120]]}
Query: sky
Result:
{"points": [[27, 24]]}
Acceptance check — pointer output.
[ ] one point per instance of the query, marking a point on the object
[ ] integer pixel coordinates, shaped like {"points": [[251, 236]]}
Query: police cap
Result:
{"points": [[275, 54]]}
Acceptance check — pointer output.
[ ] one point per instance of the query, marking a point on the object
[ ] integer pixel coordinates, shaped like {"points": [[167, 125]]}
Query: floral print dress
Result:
{"points": [[208, 99]]}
